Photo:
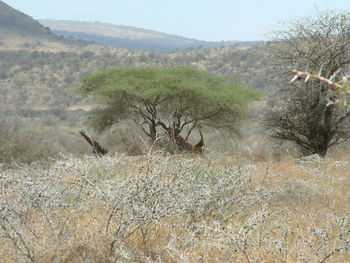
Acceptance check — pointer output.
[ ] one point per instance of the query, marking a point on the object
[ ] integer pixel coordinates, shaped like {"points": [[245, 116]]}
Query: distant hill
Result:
{"points": [[130, 37], [19, 31], [14, 21], [39, 69]]}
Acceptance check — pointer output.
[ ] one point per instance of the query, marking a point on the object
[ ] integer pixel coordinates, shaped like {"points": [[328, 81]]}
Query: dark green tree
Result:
{"points": [[172, 101]]}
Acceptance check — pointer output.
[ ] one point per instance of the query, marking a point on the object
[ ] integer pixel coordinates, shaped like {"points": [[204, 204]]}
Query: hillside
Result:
{"points": [[131, 37], [248, 198], [19, 31], [38, 74], [14, 21], [42, 80]]}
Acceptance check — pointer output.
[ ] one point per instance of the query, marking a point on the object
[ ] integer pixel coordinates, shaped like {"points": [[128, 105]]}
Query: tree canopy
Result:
{"points": [[174, 100]]}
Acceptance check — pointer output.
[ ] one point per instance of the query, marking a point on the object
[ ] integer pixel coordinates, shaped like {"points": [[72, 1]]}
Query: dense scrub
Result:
{"points": [[176, 209], [20, 143], [42, 79], [23, 141]]}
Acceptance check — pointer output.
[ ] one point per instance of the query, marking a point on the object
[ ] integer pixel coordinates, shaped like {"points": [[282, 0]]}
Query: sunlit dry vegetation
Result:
{"points": [[242, 198], [43, 79], [176, 209]]}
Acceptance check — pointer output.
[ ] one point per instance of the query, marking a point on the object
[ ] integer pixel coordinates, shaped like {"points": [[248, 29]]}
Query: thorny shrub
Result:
{"points": [[158, 209], [20, 143]]}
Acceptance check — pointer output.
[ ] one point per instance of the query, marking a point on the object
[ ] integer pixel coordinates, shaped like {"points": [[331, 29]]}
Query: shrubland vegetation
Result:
{"points": [[245, 200], [176, 209], [171, 102], [21, 143], [43, 79], [320, 44], [37, 81]]}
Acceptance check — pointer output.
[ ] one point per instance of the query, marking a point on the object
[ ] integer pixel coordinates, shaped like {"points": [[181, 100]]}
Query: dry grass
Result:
{"points": [[176, 209], [21, 143]]}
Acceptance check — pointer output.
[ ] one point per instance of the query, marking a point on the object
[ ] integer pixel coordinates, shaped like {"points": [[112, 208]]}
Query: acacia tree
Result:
{"points": [[171, 101], [321, 46]]}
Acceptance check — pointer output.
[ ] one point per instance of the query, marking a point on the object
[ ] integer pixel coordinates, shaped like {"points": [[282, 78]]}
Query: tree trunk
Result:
{"points": [[153, 132]]}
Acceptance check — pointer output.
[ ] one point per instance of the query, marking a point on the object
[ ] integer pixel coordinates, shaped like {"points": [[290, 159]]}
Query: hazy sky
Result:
{"points": [[214, 20]]}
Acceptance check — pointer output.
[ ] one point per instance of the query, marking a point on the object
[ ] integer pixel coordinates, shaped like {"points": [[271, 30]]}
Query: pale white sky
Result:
{"points": [[200, 19]]}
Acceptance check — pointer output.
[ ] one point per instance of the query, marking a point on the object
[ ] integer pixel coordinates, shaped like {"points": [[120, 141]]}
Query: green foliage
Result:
{"points": [[180, 89]]}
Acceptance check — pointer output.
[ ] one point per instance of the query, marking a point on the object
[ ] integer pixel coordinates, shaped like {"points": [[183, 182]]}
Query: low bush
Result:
{"points": [[175, 209], [21, 143]]}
